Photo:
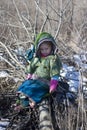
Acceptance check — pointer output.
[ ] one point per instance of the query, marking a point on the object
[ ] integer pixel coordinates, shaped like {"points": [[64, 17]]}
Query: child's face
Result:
{"points": [[45, 48]]}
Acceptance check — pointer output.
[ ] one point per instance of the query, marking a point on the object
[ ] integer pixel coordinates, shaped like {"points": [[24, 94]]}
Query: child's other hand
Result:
{"points": [[53, 85], [34, 76], [52, 90]]}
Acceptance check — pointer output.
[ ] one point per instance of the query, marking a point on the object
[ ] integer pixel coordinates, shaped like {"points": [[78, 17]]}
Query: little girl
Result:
{"points": [[42, 73]]}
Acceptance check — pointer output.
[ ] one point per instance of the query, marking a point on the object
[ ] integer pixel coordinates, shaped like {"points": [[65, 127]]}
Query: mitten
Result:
{"points": [[53, 85]]}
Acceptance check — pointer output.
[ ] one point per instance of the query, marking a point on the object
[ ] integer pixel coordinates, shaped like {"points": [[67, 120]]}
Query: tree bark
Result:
{"points": [[45, 116]]}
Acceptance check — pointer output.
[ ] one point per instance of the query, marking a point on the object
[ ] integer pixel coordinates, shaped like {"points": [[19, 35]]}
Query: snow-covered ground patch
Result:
{"points": [[3, 123]]}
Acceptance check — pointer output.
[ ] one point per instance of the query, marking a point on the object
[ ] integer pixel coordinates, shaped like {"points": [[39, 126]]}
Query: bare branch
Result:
{"points": [[20, 18], [11, 55]]}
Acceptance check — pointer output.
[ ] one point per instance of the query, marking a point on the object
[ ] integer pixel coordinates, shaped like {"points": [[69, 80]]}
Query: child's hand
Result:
{"points": [[29, 76], [53, 85], [52, 89], [34, 76]]}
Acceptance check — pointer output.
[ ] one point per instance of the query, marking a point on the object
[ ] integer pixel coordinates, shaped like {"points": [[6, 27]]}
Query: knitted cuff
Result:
{"points": [[53, 85]]}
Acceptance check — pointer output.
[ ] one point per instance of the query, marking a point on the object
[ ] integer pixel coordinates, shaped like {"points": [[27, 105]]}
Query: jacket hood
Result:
{"points": [[42, 37]]}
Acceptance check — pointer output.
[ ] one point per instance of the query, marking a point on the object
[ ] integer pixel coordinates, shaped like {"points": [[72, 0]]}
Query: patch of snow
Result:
{"points": [[16, 80], [3, 74], [3, 124], [77, 59], [81, 60], [72, 76]]}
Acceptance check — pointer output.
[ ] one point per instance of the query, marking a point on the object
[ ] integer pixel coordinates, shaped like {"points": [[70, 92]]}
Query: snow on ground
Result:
{"points": [[3, 123], [72, 77]]}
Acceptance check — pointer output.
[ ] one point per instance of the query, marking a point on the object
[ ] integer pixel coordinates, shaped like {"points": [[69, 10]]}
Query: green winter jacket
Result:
{"points": [[46, 67]]}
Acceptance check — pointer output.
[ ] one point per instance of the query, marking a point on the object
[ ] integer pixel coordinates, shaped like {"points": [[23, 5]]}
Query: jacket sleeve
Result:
{"points": [[55, 66], [32, 66]]}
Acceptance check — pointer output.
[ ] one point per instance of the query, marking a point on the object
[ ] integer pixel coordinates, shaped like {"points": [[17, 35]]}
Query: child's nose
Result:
{"points": [[44, 50]]}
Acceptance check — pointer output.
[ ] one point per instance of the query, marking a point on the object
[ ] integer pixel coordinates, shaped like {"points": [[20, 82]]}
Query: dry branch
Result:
{"points": [[2, 44]]}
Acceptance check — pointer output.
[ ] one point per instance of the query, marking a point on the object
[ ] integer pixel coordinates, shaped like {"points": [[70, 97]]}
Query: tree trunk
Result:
{"points": [[45, 116]]}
